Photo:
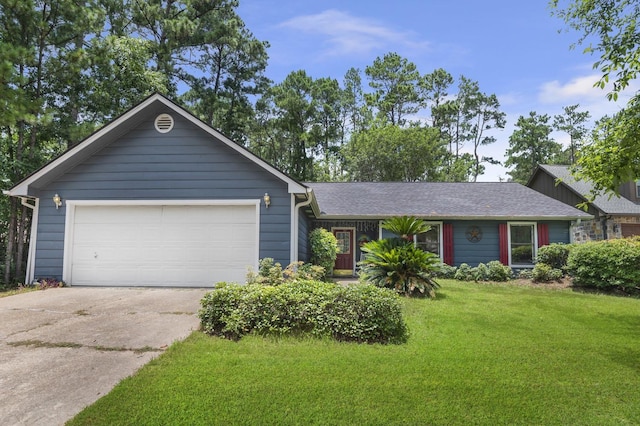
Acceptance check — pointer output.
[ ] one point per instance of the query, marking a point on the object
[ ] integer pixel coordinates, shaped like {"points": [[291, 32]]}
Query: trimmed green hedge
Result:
{"points": [[611, 264], [358, 313], [555, 255]]}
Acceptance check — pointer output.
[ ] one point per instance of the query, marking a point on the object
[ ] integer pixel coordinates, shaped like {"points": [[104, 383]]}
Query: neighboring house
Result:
{"points": [[614, 217], [159, 198]]}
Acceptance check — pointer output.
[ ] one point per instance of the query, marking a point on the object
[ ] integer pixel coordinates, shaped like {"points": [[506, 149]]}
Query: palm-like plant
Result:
{"points": [[405, 226], [397, 263]]}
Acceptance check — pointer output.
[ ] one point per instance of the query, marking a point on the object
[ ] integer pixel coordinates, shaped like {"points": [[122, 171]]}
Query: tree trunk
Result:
{"points": [[11, 237]]}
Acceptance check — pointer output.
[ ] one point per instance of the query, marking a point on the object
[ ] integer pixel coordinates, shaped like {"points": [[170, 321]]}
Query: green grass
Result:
{"points": [[11, 291], [480, 354]]}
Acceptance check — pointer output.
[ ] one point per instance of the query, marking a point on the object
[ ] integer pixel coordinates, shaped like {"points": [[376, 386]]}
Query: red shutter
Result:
{"points": [[447, 240], [543, 234], [503, 239]]}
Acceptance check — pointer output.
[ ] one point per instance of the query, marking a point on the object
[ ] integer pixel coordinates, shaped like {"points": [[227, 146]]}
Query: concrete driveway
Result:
{"points": [[62, 349]]}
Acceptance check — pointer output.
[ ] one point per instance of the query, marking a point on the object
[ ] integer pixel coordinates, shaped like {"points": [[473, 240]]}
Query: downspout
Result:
{"points": [[296, 220], [605, 234]]}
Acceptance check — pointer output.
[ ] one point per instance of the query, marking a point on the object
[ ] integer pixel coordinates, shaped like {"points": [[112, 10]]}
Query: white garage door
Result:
{"points": [[178, 246]]}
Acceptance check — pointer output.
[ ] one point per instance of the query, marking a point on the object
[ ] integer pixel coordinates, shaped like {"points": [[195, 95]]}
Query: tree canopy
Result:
{"points": [[609, 29]]}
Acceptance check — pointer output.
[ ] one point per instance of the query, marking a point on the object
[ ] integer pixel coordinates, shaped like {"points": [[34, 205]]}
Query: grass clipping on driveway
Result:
{"points": [[479, 354]]}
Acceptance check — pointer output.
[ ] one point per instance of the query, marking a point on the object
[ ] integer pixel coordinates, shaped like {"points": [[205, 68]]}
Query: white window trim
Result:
{"points": [[535, 242], [440, 236], [638, 188]]}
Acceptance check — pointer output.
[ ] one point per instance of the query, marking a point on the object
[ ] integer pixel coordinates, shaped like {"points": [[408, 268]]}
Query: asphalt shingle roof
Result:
{"points": [[442, 200], [614, 205]]}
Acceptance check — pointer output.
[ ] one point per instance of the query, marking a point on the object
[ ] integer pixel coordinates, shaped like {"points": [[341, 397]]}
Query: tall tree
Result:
{"points": [[611, 30], [293, 113], [231, 69], [391, 153], [530, 145], [572, 122], [356, 113], [178, 29], [396, 85], [482, 114], [42, 51], [466, 116]]}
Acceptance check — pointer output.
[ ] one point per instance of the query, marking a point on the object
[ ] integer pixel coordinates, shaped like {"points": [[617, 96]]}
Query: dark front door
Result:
{"points": [[344, 260]]}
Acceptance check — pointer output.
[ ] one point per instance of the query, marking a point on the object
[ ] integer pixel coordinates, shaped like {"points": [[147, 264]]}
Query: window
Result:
{"points": [[344, 241], [638, 188], [430, 240], [522, 244]]}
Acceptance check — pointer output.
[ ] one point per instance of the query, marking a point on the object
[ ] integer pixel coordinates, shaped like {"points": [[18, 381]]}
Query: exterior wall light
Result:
{"points": [[57, 201], [267, 199]]}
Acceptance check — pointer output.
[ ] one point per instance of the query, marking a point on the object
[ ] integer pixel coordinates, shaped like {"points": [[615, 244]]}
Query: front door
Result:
{"points": [[344, 260]]}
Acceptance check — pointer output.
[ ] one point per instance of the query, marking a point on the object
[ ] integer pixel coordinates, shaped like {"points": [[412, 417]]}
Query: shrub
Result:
{"points": [[525, 274], [304, 271], [554, 255], [271, 273], [359, 313], [492, 271], [611, 264], [445, 271], [324, 249], [464, 273], [545, 273], [480, 272], [498, 271], [45, 283], [398, 264]]}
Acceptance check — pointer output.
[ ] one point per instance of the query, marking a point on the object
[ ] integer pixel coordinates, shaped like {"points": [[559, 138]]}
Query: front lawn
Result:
{"points": [[479, 354]]}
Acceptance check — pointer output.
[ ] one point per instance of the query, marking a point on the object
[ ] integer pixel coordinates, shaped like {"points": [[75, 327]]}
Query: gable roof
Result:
{"points": [[441, 200], [610, 205], [119, 126]]}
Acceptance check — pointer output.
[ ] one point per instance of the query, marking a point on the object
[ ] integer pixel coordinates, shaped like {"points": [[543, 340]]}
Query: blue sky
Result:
{"points": [[513, 48]]}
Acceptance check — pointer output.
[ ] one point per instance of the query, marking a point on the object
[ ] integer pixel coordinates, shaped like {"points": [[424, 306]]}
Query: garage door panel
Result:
{"points": [[162, 245]]}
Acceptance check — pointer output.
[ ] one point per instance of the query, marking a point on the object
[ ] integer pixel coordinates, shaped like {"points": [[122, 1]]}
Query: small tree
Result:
{"points": [[397, 263], [324, 249]]}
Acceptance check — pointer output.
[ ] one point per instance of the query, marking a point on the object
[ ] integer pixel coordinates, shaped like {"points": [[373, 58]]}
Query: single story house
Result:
{"points": [[159, 198], [613, 216], [470, 222]]}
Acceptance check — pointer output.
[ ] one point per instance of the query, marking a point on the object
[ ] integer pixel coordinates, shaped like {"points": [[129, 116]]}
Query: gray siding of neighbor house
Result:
{"points": [[630, 192], [546, 184], [143, 164]]}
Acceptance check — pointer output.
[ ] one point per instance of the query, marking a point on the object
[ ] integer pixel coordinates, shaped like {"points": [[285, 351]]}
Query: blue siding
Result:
{"points": [[304, 253], [559, 232], [144, 164], [483, 251], [487, 249]]}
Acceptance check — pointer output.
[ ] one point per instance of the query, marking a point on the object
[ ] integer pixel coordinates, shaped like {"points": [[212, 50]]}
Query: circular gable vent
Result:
{"points": [[164, 123]]}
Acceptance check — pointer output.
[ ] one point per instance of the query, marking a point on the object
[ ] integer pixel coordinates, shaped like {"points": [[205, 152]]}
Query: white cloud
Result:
{"points": [[578, 89], [347, 35]]}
